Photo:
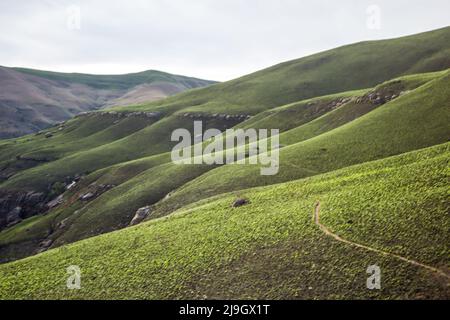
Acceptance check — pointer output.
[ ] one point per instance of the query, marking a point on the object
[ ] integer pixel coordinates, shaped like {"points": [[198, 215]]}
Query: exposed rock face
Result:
{"points": [[34, 159], [337, 103], [140, 215], [62, 224], [15, 206], [71, 185], [55, 202], [87, 196], [13, 217], [44, 245], [229, 117], [159, 115], [379, 97], [95, 190], [33, 203], [121, 115], [240, 202]]}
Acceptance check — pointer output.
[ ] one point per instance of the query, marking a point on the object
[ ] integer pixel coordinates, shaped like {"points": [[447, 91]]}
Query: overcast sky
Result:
{"points": [[211, 39]]}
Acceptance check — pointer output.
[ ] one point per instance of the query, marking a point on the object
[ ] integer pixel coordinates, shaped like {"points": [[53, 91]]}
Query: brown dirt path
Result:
{"points": [[329, 233]]}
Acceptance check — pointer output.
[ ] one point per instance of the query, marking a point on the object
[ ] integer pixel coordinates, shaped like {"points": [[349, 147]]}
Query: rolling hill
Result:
{"points": [[363, 132], [31, 100], [271, 248]]}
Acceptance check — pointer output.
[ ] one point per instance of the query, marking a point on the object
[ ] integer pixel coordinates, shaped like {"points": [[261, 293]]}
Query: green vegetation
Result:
{"points": [[381, 133], [148, 180], [357, 66], [325, 73], [270, 248], [351, 120], [125, 81]]}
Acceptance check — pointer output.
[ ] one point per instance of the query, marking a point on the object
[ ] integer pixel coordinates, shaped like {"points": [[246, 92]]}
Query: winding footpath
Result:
{"points": [[329, 233]]}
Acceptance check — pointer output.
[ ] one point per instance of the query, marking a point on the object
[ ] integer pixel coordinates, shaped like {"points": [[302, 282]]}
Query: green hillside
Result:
{"points": [[271, 248], [357, 66], [149, 180], [333, 71], [413, 121], [340, 108], [125, 81]]}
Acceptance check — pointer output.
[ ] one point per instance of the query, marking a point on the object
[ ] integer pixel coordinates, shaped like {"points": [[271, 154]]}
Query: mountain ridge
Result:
{"points": [[31, 100]]}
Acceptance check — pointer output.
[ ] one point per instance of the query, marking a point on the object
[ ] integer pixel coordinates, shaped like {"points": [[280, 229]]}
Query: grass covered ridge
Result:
{"points": [[329, 120], [352, 133], [212, 250]]}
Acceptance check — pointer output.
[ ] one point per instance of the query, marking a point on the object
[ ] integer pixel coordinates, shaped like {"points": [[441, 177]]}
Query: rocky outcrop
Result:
{"points": [[159, 115], [219, 116], [339, 102], [13, 217], [44, 245], [63, 224], [32, 203], [34, 159], [16, 206], [240, 202], [87, 196], [95, 190], [122, 115], [378, 97], [71, 185], [55, 202], [141, 215]]}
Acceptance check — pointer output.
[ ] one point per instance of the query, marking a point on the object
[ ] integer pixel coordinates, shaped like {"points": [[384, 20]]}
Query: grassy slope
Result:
{"points": [[149, 141], [309, 118], [415, 120], [298, 113], [325, 73], [78, 135], [125, 81], [146, 181], [270, 248], [351, 67], [95, 143], [352, 110], [115, 209]]}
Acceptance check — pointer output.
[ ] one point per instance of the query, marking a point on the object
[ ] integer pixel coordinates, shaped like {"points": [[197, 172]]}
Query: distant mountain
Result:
{"points": [[31, 100]]}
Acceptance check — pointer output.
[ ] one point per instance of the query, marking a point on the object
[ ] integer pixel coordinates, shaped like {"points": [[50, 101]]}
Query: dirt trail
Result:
{"points": [[385, 253]]}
